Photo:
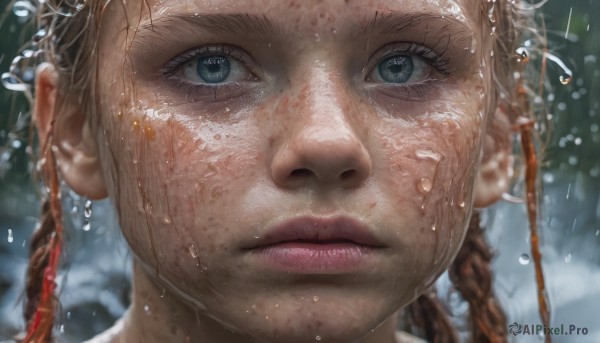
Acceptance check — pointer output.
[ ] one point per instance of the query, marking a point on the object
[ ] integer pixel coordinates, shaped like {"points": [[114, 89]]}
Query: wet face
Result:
{"points": [[221, 121]]}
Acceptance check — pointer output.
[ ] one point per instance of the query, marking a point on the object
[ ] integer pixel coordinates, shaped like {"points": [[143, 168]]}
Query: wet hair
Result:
{"points": [[67, 37]]}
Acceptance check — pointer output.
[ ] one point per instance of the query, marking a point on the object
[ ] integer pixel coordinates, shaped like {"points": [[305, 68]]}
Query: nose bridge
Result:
{"points": [[327, 109], [324, 145]]}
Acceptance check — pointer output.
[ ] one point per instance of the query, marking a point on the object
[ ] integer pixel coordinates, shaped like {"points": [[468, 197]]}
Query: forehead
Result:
{"points": [[309, 15]]}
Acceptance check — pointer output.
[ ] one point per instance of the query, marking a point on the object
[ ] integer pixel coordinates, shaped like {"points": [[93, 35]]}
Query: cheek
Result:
{"points": [[429, 168], [174, 187]]}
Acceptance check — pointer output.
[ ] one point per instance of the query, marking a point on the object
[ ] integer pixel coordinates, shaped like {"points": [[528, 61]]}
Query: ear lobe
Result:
{"points": [[73, 142], [493, 178]]}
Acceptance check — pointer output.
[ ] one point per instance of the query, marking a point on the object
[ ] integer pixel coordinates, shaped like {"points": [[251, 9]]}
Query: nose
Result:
{"points": [[324, 149]]}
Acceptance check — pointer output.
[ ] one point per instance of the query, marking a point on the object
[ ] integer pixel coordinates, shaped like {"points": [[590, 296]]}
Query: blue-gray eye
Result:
{"points": [[213, 69], [396, 69]]}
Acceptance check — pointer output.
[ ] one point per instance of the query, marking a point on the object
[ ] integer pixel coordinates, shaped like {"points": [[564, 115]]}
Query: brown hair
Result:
{"points": [[69, 42]]}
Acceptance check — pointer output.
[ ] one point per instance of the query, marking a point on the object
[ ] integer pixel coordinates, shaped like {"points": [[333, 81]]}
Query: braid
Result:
{"points": [[471, 275], [429, 315], [45, 251]]}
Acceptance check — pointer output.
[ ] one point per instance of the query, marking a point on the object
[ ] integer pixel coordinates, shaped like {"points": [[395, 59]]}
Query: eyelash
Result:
{"points": [[401, 91], [191, 89], [417, 91]]}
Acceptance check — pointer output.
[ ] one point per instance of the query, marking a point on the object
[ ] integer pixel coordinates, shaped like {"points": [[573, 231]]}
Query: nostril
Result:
{"points": [[300, 173], [347, 174]]}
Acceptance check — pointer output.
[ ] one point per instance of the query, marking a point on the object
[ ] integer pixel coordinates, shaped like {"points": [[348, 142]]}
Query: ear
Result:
{"points": [[493, 178], [74, 146]]}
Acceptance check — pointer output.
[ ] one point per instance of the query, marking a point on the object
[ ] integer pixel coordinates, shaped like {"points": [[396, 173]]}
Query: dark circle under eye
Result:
{"points": [[396, 69], [213, 69]]}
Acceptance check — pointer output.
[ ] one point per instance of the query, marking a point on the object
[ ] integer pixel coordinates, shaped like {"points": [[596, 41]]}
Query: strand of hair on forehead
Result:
{"points": [[45, 250]]}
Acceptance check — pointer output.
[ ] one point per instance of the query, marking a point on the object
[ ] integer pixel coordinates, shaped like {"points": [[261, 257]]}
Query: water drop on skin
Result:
{"points": [[568, 258], [315, 298], [10, 236], [317, 337], [86, 225], [426, 184], [524, 259], [192, 250]]}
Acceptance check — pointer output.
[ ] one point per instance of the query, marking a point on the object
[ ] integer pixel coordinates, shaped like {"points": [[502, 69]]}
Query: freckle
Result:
{"points": [[135, 124], [149, 131]]}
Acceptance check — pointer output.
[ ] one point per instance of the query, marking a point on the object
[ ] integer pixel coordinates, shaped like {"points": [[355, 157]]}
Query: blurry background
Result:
{"points": [[95, 290]]}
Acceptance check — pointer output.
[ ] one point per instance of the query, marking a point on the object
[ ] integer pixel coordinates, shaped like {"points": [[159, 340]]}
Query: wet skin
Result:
{"points": [[305, 123]]}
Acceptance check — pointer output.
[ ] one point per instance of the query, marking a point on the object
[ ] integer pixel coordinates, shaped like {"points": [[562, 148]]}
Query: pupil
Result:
{"points": [[213, 69], [396, 69]]}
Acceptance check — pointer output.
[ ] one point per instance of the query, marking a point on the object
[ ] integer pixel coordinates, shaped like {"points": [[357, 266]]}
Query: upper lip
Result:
{"points": [[318, 230]]}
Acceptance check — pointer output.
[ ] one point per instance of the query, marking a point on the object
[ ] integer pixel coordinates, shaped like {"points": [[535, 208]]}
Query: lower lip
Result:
{"points": [[314, 258]]}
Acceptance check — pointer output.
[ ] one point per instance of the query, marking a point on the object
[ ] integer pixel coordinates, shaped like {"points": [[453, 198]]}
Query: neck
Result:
{"points": [[158, 315]]}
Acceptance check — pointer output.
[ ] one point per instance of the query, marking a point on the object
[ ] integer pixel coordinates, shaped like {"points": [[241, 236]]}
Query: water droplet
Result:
{"points": [[11, 83], [24, 9], [461, 204], [87, 210], [597, 233], [524, 259], [315, 298], [10, 236], [276, 305], [565, 79], [568, 258], [16, 144], [522, 55], [192, 250], [433, 227], [75, 209], [428, 154], [86, 225], [318, 338], [69, 315], [147, 309], [62, 328], [317, 37], [578, 141], [38, 36], [167, 219], [426, 184]]}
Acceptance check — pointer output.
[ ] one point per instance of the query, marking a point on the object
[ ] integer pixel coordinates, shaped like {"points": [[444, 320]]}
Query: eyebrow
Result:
{"points": [[215, 23], [394, 23]]}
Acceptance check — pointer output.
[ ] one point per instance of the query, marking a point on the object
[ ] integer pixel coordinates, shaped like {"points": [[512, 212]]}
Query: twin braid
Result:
{"points": [[471, 275], [45, 250]]}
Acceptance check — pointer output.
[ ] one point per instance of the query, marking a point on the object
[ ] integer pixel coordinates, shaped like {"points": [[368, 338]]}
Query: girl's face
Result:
{"points": [[222, 121]]}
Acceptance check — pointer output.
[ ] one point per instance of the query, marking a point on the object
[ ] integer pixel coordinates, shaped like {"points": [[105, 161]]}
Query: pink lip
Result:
{"points": [[310, 244]]}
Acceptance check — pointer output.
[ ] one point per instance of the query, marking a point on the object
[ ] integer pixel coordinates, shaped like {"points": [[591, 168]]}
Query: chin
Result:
{"points": [[332, 322]]}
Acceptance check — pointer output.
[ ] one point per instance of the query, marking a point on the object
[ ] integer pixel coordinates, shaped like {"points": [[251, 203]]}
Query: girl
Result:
{"points": [[283, 171]]}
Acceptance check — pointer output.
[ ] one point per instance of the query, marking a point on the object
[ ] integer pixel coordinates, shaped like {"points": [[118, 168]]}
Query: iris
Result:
{"points": [[396, 69], [213, 69]]}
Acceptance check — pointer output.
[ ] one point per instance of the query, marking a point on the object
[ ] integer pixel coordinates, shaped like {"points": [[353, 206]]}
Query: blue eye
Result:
{"points": [[396, 69], [213, 69]]}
